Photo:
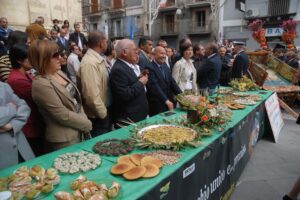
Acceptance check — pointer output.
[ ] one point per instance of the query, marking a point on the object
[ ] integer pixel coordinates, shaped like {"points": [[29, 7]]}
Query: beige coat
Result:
{"points": [[63, 124], [93, 84], [179, 75]]}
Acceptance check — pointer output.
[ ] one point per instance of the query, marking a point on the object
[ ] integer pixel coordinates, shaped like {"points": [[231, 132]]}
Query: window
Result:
{"points": [[200, 18], [94, 6], [117, 4], [95, 27], [278, 7], [118, 28], [240, 5], [170, 23]]}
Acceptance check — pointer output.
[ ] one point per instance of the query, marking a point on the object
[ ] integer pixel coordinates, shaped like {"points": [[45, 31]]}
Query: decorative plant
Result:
{"points": [[204, 114], [289, 32], [258, 32]]}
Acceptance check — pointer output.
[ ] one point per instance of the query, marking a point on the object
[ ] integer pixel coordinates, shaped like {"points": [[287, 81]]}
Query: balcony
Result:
{"points": [[197, 3], [198, 28], [168, 29], [170, 5]]}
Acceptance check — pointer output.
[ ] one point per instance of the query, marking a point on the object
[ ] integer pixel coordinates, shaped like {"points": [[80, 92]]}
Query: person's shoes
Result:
{"points": [[286, 197]]}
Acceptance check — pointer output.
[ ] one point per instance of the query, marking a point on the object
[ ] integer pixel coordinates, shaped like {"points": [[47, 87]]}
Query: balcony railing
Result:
{"points": [[199, 27], [168, 28], [197, 2]]}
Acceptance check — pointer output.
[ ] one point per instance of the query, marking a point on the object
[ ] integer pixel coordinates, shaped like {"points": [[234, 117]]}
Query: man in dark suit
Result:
{"points": [[128, 85], [145, 46], [78, 37], [227, 62], [241, 61], [62, 42], [211, 70], [161, 85]]}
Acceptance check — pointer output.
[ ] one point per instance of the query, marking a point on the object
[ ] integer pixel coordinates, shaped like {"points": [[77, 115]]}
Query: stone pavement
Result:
{"points": [[273, 167]]}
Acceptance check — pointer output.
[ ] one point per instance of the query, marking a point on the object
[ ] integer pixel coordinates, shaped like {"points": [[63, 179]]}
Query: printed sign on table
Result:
{"points": [[275, 115]]}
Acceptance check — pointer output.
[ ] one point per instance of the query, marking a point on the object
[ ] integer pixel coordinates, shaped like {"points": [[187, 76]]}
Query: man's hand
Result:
{"points": [[144, 79], [5, 128], [170, 105]]}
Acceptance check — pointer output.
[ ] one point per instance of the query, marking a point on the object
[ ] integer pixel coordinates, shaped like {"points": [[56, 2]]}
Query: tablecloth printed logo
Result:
{"points": [[164, 190], [188, 171]]}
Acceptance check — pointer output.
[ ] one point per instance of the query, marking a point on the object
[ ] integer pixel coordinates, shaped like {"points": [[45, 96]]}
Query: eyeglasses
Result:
{"points": [[56, 54]]}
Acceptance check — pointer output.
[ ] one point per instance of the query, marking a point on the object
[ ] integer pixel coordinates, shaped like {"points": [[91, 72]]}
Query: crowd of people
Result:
{"points": [[60, 88]]}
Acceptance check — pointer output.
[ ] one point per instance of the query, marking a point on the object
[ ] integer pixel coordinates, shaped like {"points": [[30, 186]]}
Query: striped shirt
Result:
{"points": [[5, 67]]}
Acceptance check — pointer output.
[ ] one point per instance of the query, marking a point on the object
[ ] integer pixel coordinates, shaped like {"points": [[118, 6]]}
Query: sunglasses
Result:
{"points": [[56, 54]]}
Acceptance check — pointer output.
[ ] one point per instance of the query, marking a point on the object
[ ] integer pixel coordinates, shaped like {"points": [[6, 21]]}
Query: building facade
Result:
{"points": [[132, 19], [235, 15], [118, 18], [21, 13]]}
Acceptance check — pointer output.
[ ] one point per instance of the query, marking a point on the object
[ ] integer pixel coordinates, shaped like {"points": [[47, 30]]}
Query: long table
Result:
{"points": [[209, 171]]}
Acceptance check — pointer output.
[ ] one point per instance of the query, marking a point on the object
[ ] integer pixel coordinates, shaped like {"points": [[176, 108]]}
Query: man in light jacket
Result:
{"points": [[93, 84], [14, 113]]}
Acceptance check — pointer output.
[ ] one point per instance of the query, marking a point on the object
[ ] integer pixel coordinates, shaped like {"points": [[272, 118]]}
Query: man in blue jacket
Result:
{"points": [[241, 61], [4, 33]]}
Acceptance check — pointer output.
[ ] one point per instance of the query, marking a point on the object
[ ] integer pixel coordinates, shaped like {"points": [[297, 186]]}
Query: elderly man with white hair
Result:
{"points": [[128, 85]]}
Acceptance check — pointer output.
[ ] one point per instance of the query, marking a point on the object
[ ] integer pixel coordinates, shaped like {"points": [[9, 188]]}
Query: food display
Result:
{"points": [[83, 189], [77, 162], [31, 182], [243, 84], [164, 136], [136, 166], [167, 157], [113, 147]]}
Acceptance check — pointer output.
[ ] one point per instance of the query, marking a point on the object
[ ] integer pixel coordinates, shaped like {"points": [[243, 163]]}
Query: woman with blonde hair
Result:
{"points": [[57, 98]]}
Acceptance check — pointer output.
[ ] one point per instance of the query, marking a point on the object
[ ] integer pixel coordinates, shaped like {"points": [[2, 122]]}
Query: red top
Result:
{"points": [[21, 85]]}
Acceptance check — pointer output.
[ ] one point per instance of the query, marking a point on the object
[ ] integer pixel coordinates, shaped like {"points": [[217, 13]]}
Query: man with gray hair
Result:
{"points": [[128, 85], [92, 82]]}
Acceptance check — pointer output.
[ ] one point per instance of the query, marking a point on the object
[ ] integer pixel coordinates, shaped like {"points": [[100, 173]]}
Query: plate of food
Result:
{"points": [[165, 136], [30, 183], [90, 189], [81, 161], [245, 102]]}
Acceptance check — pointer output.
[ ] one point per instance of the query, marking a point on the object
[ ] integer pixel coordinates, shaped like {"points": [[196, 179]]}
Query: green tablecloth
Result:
{"points": [[131, 189]]}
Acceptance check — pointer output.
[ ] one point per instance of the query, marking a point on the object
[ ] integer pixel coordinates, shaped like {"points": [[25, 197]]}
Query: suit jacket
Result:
{"points": [[226, 70], [63, 123], [74, 38], [13, 141], [63, 46], [293, 63], [240, 65], [210, 72], [143, 60], [160, 88], [179, 74], [92, 82], [129, 95], [22, 85]]}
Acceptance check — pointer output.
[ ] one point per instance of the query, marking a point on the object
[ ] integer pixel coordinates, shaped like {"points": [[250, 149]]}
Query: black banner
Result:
{"points": [[213, 173]]}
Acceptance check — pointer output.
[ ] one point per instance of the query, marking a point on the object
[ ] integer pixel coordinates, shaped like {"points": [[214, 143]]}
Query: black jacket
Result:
{"points": [[128, 93], [240, 65], [74, 38], [160, 88], [210, 72], [226, 70]]}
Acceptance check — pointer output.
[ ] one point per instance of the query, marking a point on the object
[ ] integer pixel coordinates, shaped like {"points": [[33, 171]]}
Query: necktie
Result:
{"points": [[162, 71]]}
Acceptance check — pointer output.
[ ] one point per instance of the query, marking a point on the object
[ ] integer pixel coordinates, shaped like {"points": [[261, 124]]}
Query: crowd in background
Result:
{"points": [[60, 88]]}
